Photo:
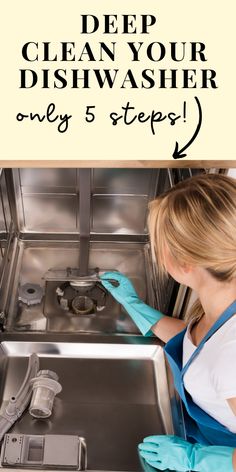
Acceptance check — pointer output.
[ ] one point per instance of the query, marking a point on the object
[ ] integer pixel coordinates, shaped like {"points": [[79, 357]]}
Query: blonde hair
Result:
{"points": [[196, 221]]}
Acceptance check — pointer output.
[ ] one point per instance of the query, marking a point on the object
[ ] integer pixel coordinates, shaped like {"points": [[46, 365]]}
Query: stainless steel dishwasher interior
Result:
{"points": [[112, 395], [86, 221], [115, 386], [35, 258]]}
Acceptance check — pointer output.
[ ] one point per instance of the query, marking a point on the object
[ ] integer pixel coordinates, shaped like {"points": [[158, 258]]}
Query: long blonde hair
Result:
{"points": [[196, 221]]}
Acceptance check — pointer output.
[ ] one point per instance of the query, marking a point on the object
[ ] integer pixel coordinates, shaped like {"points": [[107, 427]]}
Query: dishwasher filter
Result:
{"points": [[45, 387], [44, 452]]}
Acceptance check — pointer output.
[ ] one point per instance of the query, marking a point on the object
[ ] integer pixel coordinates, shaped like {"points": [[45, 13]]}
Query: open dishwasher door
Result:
{"points": [[66, 227]]}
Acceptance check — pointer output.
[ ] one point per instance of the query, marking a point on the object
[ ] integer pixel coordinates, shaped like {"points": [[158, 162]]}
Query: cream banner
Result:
{"points": [[125, 80]]}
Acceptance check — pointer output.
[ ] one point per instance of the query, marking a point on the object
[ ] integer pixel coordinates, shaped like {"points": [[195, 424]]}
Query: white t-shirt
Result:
{"points": [[211, 377]]}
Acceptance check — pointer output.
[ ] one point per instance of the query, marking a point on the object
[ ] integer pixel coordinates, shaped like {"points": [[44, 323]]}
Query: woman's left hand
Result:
{"points": [[171, 452], [166, 452]]}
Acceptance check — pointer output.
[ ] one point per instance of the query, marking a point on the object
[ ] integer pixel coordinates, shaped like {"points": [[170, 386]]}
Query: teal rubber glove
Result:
{"points": [[171, 452], [144, 316]]}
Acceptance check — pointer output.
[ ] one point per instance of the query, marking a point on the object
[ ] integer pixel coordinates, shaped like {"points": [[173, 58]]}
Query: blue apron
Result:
{"points": [[200, 427]]}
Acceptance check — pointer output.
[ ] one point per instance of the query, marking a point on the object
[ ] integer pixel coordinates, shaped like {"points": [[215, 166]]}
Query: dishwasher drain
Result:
{"points": [[80, 300], [83, 305]]}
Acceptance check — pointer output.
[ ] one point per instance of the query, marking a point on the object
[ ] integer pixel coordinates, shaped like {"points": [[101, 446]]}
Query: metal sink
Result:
{"points": [[113, 395]]}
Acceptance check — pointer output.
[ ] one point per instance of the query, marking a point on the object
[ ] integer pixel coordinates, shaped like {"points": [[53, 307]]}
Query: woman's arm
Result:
{"points": [[171, 452], [232, 404], [234, 460], [167, 327]]}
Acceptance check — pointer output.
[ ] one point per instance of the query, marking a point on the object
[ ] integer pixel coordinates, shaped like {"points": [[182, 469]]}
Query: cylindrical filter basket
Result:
{"points": [[45, 387]]}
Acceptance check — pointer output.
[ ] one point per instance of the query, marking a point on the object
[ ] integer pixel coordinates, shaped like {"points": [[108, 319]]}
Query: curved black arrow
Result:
{"points": [[177, 154]]}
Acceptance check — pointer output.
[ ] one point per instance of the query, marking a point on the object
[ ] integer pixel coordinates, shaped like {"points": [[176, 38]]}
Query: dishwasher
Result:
{"points": [[80, 387]]}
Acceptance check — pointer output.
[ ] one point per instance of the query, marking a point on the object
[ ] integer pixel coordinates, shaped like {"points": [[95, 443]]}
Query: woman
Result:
{"points": [[193, 238]]}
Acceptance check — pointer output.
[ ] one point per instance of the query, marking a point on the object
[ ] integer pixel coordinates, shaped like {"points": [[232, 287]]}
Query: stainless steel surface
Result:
{"points": [[76, 280], [8, 273], [17, 403], [119, 214], [5, 213], [113, 395], [117, 181], [71, 275], [43, 203], [36, 179], [48, 200], [6, 238], [84, 212], [125, 181], [34, 260], [44, 213], [5, 256]]}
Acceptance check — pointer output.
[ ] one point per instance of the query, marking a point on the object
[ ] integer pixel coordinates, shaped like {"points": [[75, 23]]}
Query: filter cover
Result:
{"points": [[31, 294]]}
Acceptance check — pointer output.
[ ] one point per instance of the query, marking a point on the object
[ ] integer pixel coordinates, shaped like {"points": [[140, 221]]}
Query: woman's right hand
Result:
{"points": [[148, 319], [144, 316], [124, 291]]}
